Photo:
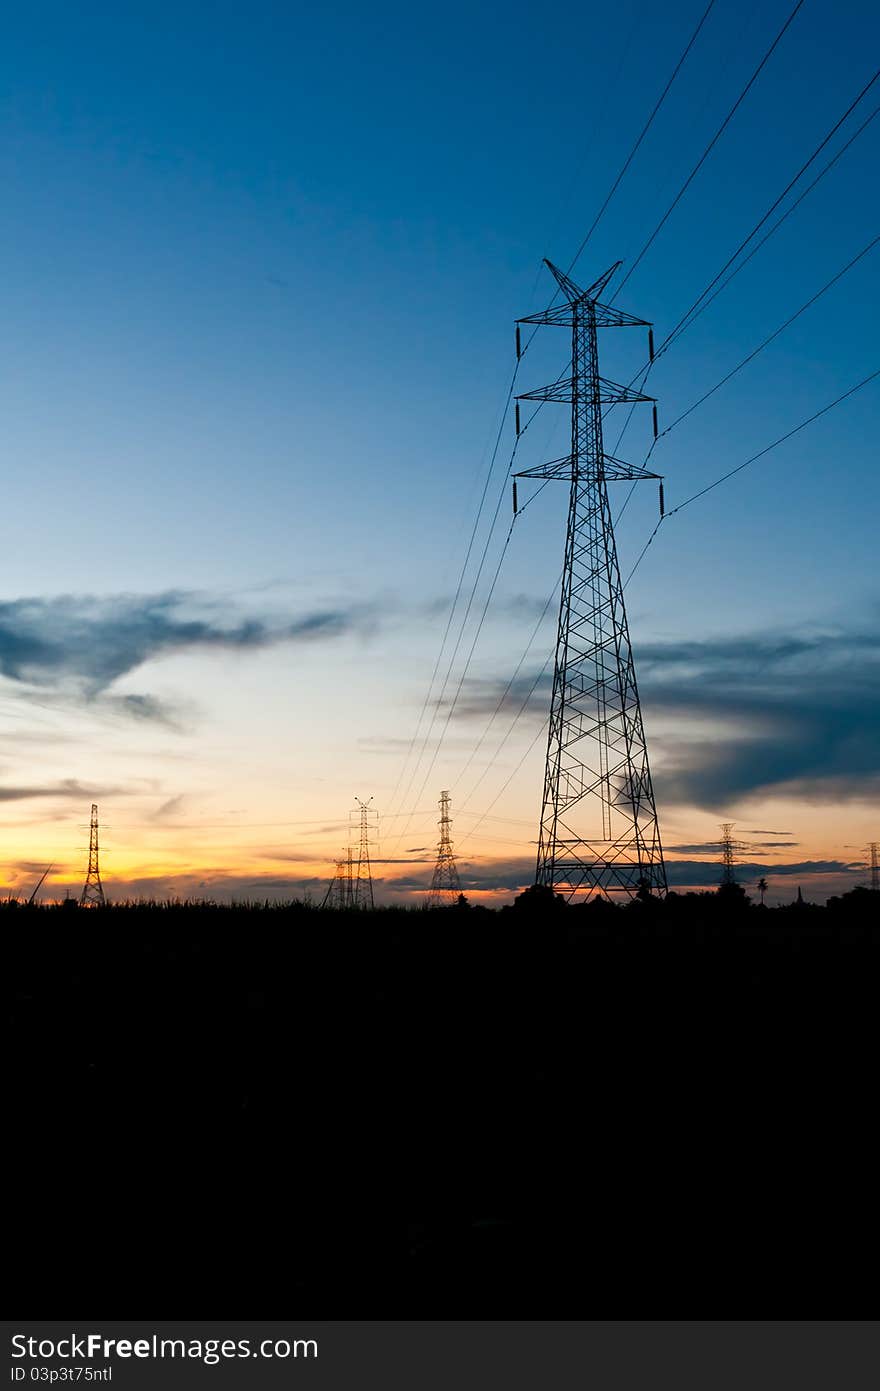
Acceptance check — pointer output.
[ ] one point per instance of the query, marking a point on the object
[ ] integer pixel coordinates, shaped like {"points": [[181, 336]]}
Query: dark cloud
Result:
{"points": [[798, 716], [713, 847], [68, 787], [703, 874], [514, 875], [88, 643]]}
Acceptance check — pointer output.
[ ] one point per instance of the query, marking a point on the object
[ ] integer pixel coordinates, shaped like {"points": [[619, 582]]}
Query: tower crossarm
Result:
{"points": [[613, 470], [562, 316], [569, 389]]}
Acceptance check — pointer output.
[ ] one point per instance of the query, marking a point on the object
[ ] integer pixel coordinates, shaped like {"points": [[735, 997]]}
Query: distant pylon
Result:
{"points": [[599, 828], [727, 861], [362, 886], [729, 847], [875, 867], [445, 885], [338, 893], [93, 890]]}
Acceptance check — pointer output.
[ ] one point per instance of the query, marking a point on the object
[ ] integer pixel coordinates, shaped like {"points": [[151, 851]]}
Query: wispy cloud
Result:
{"points": [[67, 788], [81, 645]]}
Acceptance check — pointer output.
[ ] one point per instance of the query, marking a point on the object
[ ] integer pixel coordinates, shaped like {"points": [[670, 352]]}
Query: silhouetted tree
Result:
{"points": [[762, 889], [538, 897]]}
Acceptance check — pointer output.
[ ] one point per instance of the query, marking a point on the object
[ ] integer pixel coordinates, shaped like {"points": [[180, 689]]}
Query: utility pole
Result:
{"points": [[599, 828], [445, 885], [362, 886], [92, 895]]}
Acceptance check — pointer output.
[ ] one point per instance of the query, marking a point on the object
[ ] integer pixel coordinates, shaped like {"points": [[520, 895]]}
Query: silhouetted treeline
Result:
{"points": [[548, 1111]]}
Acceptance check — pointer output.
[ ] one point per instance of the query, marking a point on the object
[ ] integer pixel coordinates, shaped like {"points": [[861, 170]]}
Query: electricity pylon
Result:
{"points": [[92, 895], [445, 885], [599, 828], [338, 893], [362, 886], [729, 847]]}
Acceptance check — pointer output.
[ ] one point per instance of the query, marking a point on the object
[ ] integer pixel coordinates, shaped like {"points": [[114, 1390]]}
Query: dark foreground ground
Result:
{"points": [[536, 1113]]}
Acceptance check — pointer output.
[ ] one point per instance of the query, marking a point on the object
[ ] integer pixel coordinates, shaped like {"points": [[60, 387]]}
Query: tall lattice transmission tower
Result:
{"points": [[445, 885], [362, 884], [92, 895], [599, 828]]}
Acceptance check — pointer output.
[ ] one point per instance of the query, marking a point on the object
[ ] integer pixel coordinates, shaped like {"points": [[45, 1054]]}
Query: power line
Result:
{"points": [[767, 341], [781, 440], [707, 151], [520, 712], [506, 692], [631, 156], [500, 793], [644, 131], [470, 654], [753, 459], [459, 585], [702, 302], [688, 317]]}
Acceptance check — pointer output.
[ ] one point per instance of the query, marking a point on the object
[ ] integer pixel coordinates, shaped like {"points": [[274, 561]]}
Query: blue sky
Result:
{"points": [[261, 268]]}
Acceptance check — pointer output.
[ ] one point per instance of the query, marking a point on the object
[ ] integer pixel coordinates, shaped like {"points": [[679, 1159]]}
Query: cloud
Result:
{"points": [[713, 847], [513, 875], [68, 787], [699, 873], [797, 716], [84, 644]]}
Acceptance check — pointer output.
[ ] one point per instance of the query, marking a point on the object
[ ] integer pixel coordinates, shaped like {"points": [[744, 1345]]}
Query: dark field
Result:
{"points": [[534, 1113]]}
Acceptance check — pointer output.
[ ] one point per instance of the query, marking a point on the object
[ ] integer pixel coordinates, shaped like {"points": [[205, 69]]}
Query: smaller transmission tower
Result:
{"points": [[92, 895], [338, 893], [362, 886], [446, 885], [727, 874], [875, 866], [729, 848]]}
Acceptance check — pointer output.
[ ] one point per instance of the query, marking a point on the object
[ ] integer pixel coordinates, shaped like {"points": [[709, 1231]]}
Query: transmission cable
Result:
{"points": [[753, 459], [506, 692], [767, 341], [646, 127], [460, 584], [687, 318], [715, 138]]}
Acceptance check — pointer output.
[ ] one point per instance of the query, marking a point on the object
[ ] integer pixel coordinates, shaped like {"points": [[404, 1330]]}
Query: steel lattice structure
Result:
{"points": [[338, 893], [362, 885], [599, 828], [92, 895], [445, 885]]}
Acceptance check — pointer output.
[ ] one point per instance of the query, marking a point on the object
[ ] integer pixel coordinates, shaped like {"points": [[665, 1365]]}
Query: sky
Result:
{"points": [[261, 272]]}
